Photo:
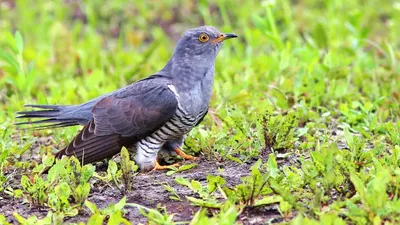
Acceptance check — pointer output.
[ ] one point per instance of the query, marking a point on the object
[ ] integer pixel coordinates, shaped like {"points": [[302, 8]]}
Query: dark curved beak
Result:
{"points": [[228, 36], [224, 37]]}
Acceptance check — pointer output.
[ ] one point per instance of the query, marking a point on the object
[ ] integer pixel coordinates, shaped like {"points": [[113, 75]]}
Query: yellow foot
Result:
{"points": [[159, 167], [184, 155]]}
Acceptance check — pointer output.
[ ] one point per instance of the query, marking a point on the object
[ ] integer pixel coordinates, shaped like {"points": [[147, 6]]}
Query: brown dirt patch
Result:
{"points": [[148, 191]]}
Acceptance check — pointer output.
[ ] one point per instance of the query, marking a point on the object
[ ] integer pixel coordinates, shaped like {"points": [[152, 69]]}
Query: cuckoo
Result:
{"points": [[152, 114]]}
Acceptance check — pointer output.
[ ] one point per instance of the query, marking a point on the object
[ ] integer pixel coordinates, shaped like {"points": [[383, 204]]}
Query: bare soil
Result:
{"points": [[148, 191]]}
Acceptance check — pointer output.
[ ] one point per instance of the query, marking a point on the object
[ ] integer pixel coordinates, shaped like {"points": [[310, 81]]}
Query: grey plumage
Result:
{"points": [[152, 114]]}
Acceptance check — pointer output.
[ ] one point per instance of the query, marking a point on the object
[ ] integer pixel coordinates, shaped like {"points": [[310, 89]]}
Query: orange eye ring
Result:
{"points": [[203, 38]]}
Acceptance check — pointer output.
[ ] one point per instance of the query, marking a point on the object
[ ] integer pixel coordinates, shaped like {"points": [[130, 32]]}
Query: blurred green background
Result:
{"points": [[331, 56]]}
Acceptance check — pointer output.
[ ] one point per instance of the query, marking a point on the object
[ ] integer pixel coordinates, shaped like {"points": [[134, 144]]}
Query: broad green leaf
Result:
{"points": [[10, 59], [121, 204], [92, 207], [267, 200], [359, 186], [272, 166], [95, 219], [320, 36], [19, 41], [203, 203], [112, 168]]}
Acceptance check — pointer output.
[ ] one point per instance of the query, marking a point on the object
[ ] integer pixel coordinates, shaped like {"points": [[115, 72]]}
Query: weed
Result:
{"points": [[124, 176]]}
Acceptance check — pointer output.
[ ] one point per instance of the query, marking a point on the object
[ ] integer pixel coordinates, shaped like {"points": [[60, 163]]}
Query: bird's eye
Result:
{"points": [[203, 38]]}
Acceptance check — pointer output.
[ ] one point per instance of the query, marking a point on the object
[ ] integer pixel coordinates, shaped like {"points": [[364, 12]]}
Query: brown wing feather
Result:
{"points": [[88, 147], [122, 119]]}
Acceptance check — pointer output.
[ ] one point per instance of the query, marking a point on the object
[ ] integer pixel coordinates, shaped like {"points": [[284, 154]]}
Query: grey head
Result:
{"points": [[197, 50]]}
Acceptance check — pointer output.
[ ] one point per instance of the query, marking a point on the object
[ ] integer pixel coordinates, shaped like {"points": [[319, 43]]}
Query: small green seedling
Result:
{"points": [[124, 176], [154, 216], [113, 213]]}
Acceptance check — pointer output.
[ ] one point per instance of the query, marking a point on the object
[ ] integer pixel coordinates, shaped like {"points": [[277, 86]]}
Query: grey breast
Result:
{"points": [[181, 123]]}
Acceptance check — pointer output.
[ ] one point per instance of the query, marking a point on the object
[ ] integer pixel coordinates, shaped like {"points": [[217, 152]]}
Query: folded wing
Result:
{"points": [[122, 119]]}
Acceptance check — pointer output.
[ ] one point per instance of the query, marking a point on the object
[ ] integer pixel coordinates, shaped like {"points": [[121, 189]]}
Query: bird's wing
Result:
{"points": [[126, 116]]}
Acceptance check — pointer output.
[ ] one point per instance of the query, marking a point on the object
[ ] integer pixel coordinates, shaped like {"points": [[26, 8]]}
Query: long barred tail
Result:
{"points": [[50, 116]]}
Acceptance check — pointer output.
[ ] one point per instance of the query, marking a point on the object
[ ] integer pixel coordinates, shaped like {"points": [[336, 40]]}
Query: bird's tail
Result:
{"points": [[50, 116]]}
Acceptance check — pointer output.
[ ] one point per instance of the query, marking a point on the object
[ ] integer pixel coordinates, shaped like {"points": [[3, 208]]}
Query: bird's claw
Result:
{"points": [[168, 167], [184, 155]]}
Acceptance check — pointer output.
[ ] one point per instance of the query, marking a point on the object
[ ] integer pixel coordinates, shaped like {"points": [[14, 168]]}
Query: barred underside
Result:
{"points": [[178, 126]]}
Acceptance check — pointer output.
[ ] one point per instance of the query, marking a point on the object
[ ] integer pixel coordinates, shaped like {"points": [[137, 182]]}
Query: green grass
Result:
{"points": [[317, 81]]}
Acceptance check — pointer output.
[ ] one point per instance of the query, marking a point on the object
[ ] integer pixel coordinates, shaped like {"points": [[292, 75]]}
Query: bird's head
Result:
{"points": [[202, 40], [200, 46]]}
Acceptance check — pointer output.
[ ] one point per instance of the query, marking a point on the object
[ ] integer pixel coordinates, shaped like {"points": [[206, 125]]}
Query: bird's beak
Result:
{"points": [[223, 37]]}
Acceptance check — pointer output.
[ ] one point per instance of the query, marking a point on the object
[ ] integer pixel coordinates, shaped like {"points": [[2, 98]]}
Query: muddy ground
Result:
{"points": [[148, 191]]}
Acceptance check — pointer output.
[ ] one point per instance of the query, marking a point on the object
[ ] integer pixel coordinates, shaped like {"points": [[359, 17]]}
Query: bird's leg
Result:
{"points": [[146, 154], [175, 145], [184, 155], [159, 167]]}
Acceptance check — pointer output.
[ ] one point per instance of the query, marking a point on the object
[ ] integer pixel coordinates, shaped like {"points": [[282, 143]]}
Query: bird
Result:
{"points": [[155, 113]]}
